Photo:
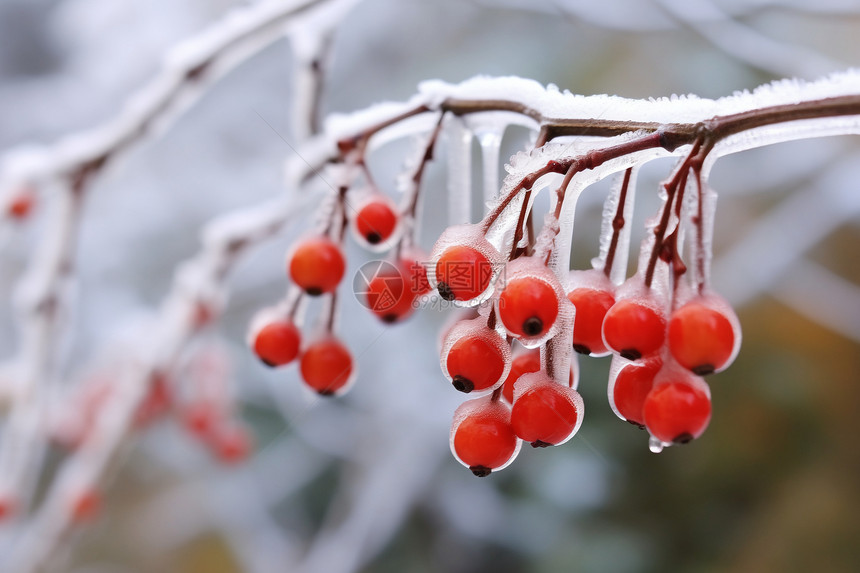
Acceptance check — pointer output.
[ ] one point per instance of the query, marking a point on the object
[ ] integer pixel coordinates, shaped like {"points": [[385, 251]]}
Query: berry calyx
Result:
{"points": [[525, 363], [476, 360], [462, 273], [277, 343], [545, 413], [317, 265], [482, 438], [631, 388], [326, 366], [633, 329], [701, 338], [677, 412], [591, 308], [376, 221], [528, 306]]}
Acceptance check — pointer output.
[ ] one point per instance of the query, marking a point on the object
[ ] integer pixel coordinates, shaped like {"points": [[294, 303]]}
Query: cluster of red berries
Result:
{"points": [[316, 266], [656, 379], [660, 356], [531, 324], [521, 399]]}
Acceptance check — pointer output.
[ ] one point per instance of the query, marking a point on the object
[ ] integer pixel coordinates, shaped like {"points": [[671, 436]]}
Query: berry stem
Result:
{"points": [[496, 395], [700, 272], [332, 311], [518, 231], [617, 223], [679, 177], [412, 205]]}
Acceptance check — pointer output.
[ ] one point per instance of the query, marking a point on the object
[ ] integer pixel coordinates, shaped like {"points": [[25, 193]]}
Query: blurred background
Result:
{"points": [[366, 482]]}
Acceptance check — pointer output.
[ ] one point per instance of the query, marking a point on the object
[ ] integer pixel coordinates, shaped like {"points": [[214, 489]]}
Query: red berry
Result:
{"points": [[525, 363], [201, 418], [317, 265], [528, 306], [545, 413], [277, 343], [8, 507], [157, 401], [591, 307], [413, 269], [22, 204], [326, 366], [631, 387], [388, 295], [376, 221], [85, 505], [232, 443], [677, 412], [462, 273], [701, 338], [633, 329], [482, 438], [476, 360]]}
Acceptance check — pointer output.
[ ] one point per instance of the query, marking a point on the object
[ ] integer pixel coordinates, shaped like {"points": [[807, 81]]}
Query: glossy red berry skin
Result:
{"points": [[482, 438], [528, 307], [525, 363], [462, 273], [591, 308], [701, 338], [277, 343], [317, 265], [389, 296], [677, 412], [633, 329], [475, 363], [415, 273], [376, 221], [631, 387], [326, 366], [545, 413]]}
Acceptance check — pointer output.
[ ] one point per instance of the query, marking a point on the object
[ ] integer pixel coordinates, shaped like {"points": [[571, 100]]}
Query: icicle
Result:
{"points": [[459, 171], [489, 129]]}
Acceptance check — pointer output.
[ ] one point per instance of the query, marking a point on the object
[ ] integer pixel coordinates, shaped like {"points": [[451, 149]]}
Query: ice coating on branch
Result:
{"points": [[551, 102], [343, 126]]}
